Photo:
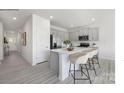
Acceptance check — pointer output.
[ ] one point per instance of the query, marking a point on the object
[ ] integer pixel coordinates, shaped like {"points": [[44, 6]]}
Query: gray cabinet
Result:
{"points": [[66, 36], [76, 35], [72, 36], [59, 36], [93, 33]]}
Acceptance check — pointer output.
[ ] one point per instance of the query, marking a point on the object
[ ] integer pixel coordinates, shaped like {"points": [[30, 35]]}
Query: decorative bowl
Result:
{"points": [[70, 49]]}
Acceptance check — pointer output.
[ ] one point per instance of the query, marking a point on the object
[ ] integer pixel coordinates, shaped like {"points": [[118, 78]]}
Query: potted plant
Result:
{"points": [[68, 44]]}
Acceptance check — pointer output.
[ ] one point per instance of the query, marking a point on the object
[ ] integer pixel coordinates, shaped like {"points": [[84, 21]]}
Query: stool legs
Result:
{"points": [[69, 69], [98, 60], [81, 70], [91, 64], [88, 74], [74, 73], [94, 67]]}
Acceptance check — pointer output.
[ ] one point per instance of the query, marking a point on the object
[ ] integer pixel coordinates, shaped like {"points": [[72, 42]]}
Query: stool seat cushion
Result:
{"points": [[82, 57], [92, 53], [78, 58]]}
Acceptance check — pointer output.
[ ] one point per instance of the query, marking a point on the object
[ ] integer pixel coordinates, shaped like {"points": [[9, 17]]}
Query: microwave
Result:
{"points": [[84, 38]]}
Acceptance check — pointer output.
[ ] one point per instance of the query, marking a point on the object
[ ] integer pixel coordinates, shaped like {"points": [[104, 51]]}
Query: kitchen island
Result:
{"points": [[59, 61]]}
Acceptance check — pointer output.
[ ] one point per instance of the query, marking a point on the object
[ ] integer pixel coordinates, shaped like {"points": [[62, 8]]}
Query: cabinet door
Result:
{"points": [[80, 32], [63, 35], [95, 34], [70, 35], [90, 34], [73, 36], [67, 35], [76, 35], [85, 31], [59, 35]]}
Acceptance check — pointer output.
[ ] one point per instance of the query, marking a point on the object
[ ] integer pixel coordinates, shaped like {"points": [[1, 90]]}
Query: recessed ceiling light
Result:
{"points": [[14, 18], [51, 17], [93, 19]]}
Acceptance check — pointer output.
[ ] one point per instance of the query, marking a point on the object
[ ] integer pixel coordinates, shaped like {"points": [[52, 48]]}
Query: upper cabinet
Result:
{"points": [[66, 36], [72, 36], [59, 36], [92, 33]]}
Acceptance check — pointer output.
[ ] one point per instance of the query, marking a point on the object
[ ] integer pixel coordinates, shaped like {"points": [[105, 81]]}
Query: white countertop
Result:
{"points": [[75, 50]]}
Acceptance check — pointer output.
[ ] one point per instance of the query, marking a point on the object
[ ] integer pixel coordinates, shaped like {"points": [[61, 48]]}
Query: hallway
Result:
{"points": [[12, 66], [13, 62]]}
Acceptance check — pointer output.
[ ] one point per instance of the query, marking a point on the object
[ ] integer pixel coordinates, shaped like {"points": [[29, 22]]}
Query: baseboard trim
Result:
{"points": [[113, 59]]}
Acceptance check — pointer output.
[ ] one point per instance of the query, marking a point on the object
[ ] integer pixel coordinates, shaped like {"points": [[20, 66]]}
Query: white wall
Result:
{"points": [[107, 35], [27, 50], [37, 39], [1, 41], [41, 39]]}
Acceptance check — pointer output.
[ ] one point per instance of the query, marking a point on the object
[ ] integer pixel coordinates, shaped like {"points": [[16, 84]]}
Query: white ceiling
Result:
{"points": [[61, 17]]}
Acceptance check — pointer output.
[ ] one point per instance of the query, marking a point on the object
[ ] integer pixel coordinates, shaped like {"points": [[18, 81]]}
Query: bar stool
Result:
{"points": [[91, 62], [79, 59], [96, 53]]}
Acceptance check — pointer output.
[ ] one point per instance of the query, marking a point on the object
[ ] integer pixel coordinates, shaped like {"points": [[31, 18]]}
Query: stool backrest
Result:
{"points": [[92, 53], [83, 59], [95, 51], [79, 58]]}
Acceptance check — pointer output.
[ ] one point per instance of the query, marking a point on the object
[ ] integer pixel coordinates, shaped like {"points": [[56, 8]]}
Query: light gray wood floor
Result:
{"points": [[15, 70]]}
